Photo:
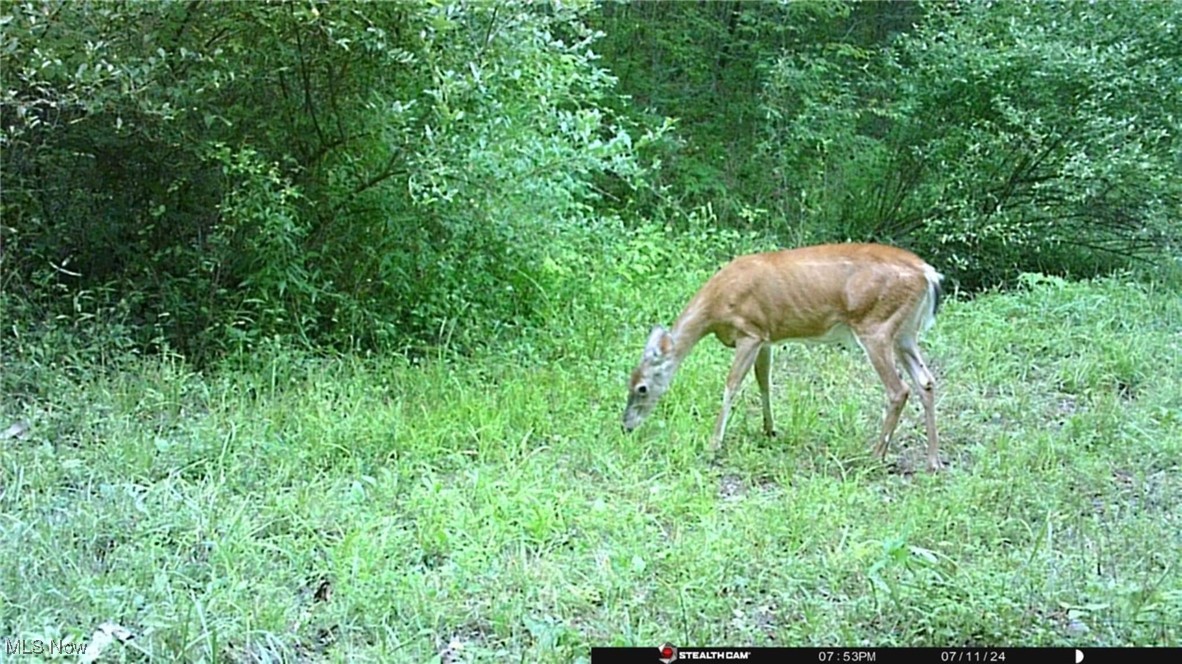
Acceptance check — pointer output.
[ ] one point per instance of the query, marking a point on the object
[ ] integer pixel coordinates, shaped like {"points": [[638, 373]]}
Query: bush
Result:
{"points": [[397, 177], [994, 139]]}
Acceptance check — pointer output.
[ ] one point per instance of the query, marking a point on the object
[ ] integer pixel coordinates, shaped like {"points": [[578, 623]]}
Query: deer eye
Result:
{"points": [[642, 389]]}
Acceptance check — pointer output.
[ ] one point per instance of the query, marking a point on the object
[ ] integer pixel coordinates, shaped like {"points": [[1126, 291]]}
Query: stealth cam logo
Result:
{"points": [[668, 653]]}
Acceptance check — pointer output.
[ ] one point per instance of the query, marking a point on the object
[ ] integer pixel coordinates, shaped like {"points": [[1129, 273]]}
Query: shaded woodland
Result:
{"points": [[404, 175]]}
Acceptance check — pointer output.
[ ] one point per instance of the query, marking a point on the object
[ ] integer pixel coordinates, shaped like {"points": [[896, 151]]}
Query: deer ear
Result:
{"points": [[659, 343]]}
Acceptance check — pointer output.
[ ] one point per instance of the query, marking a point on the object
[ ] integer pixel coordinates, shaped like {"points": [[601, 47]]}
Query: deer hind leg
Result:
{"points": [[746, 350], [882, 357], [926, 384], [763, 371]]}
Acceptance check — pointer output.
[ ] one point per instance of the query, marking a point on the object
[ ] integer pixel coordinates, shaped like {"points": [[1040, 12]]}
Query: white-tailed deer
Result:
{"points": [[879, 297]]}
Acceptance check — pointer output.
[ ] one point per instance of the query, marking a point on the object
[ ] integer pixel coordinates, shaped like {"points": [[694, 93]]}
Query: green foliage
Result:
{"points": [[241, 170], [500, 186], [261, 235], [1064, 134], [426, 174], [698, 67], [995, 138]]}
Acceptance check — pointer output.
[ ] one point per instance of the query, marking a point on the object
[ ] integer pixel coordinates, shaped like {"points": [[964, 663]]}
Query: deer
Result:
{"points": [[874, 296]]}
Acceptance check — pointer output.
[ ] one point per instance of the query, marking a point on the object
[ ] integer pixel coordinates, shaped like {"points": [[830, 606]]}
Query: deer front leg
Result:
{"points": [[746, 350]]}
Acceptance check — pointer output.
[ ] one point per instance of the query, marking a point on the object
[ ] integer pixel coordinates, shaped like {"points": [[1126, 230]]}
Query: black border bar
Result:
{"points": [[973, 655]]}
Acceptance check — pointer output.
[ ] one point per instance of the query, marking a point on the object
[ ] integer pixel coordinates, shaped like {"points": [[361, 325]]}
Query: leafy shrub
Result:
{"points": [[995, 138], [396, 177]]}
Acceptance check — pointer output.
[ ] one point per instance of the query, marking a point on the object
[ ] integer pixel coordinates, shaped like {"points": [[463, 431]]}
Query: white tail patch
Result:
{"points": [[931, 299]]}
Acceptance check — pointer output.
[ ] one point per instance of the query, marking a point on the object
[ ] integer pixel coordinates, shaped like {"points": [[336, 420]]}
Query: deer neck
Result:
{"points": [[689, 328]]}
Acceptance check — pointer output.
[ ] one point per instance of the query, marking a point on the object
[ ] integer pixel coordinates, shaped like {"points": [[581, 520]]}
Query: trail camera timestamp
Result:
{"points": [[845, 656], [972, 656]]}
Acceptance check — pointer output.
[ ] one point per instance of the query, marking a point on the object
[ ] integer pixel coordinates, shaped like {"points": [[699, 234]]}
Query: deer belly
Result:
{"points": [[840, 334]]}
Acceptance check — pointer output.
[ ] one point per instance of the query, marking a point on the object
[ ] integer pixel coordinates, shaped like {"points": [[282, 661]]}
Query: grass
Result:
{"points": [[305, 509]]}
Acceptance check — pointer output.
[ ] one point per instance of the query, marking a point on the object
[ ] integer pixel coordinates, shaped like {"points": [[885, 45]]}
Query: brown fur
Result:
{"points": [[881, 296]]}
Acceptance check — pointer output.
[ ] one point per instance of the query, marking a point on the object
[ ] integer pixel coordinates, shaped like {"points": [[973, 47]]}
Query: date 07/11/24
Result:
{"points": [[972, 656]]}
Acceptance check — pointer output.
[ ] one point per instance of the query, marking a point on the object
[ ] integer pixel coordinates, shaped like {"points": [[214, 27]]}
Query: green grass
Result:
{"points": [[363, 510]]}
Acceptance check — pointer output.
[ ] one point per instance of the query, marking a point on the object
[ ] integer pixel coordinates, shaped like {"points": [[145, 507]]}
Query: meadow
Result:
{"points": [[291, 507]]}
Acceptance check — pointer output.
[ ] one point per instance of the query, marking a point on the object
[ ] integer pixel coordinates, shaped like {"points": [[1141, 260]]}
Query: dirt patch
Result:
{"points": [[913, 459], [470, 636], [756, 615], [730, 487]]}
